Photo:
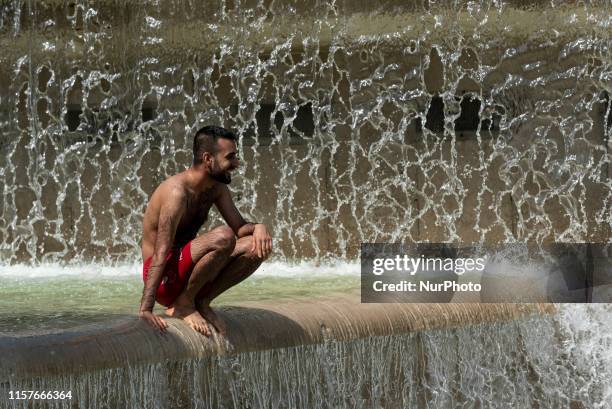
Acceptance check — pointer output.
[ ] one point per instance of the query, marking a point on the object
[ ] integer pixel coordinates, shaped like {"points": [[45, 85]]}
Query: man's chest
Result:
{"points": [[197, 208]]}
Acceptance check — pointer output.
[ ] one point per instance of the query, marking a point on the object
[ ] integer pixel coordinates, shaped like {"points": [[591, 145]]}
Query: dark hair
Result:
{"points": [[205, 140]]}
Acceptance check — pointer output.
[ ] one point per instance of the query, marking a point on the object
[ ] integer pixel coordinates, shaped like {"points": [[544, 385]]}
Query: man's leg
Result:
{"points": [[210, 252], [242, 263]]}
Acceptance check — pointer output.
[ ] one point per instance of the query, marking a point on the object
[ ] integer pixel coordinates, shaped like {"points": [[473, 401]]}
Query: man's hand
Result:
{"points": [[153, 320], [262, 241]]}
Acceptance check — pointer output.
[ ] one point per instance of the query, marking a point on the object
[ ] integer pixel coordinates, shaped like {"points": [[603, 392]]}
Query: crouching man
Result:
{"points": [[184, 272]]}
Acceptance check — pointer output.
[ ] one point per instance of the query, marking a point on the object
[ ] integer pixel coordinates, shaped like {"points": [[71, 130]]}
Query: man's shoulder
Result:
{"points": [[173, 187]]}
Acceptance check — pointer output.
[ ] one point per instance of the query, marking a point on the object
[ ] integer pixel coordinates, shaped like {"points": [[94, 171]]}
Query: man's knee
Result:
{"points": [[251, 255], [224, 239]]}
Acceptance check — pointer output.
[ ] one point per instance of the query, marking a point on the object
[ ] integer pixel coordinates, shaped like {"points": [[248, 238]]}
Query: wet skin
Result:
{"points": [[222, 257]]}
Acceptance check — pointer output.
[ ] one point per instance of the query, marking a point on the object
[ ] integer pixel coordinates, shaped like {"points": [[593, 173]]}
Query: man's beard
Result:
{"points": [[221, 177]]}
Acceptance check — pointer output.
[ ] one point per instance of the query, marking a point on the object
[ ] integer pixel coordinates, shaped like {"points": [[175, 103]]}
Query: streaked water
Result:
{"points": [[542, 362], [466, 121]]}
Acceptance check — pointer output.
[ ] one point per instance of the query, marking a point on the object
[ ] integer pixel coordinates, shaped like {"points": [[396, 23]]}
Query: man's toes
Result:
{"points": [[202, 328], [195, 326]]}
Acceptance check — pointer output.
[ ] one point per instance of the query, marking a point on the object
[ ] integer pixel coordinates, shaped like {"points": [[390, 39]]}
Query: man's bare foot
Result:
{"points": [[191, 316], [212, 317]]}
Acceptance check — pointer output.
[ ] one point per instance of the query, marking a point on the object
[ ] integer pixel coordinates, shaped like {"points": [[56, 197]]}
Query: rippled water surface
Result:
{"points": [[51, 298]]}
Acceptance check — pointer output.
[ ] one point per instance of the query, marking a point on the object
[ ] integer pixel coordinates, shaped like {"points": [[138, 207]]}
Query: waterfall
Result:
{"points": [[465, 121], [469, 122], [518, 364]]}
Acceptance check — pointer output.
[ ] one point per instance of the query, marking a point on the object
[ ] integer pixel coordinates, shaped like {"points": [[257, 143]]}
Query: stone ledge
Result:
{"points": [[251, 327]]}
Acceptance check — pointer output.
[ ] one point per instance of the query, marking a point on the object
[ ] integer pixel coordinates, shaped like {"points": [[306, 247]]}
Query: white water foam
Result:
{"points": [[587, 340], [277, 269]]}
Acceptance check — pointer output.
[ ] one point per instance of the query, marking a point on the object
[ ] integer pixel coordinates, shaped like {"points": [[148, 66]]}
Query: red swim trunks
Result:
{"points": [[176, 274]]}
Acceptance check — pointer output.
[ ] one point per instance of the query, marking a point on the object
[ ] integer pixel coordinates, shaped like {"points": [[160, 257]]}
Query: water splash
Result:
{"points": [[462, 121]]}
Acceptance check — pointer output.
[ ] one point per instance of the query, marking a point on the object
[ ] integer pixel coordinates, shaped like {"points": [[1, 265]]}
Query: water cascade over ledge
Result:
{"points": [[483, 121], [298, 354], [464, 121]]}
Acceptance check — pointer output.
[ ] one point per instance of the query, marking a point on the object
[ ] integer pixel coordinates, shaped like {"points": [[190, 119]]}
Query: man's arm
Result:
{"points": [[262, 241], [169, 216], [246, 229]]}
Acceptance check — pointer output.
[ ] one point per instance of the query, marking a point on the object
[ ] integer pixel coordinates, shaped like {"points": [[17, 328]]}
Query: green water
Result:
{"points": [[37, 305]]}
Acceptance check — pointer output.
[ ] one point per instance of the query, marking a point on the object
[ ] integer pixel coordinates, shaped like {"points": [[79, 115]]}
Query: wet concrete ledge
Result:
{"points": [[251, 327]]}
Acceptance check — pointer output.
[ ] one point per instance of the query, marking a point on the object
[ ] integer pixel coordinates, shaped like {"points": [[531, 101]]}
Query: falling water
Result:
{"points": [[466, 121], [434, 121], [522, 366]]}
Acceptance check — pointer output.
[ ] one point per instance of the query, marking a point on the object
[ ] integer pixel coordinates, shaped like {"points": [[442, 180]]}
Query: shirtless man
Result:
{"points": [[182, 271]]}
